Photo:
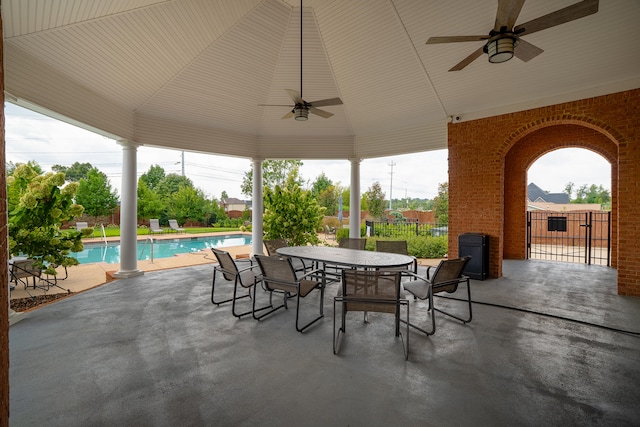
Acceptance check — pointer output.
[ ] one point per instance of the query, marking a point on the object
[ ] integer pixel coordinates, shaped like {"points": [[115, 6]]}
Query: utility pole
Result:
{"points": [[183, 163], [392, 164]]}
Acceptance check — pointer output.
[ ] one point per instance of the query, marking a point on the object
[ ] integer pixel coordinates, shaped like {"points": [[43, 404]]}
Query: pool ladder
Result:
{"points": [[147, 240]]}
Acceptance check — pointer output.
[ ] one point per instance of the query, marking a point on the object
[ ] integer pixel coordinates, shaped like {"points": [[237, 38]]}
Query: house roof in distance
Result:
{"points": [[537, 194]]}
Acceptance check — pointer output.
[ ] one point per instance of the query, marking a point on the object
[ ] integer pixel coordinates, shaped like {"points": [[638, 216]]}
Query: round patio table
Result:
{"points": [[347, 257]]}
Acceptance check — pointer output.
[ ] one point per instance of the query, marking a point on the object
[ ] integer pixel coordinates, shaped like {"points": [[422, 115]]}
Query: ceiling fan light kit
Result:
{"points": [[300, 113], [501, 48], [501, 42]]}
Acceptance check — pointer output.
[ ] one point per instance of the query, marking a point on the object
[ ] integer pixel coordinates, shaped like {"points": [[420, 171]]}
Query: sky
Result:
{"points": [[33, 136]]}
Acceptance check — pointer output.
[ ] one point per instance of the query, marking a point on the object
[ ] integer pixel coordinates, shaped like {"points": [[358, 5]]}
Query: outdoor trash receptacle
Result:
{"points": [[476, 245]]}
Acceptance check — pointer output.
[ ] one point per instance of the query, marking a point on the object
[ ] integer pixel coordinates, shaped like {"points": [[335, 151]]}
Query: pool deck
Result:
{"points": [[87, 276]]}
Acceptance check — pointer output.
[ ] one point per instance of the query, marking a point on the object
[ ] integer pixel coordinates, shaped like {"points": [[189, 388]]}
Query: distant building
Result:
{"points": [[233, 204], [538, 195], [540, 200]]}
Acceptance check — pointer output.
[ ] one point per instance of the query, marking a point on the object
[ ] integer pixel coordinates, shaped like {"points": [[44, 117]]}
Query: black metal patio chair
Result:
{"points": [[376, 291], [278, 274], [446, 278]]}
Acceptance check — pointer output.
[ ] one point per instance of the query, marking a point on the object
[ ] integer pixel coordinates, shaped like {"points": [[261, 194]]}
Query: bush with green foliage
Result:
{"points": [[418, 246], [293, 214], [37, 207]]}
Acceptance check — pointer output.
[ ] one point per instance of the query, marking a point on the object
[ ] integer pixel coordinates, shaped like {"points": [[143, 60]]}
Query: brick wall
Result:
{"points": [[488, 160]]}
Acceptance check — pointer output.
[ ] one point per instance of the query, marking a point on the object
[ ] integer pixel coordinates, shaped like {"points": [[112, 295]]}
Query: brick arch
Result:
{"points": [[564, 119], [531, 142]]}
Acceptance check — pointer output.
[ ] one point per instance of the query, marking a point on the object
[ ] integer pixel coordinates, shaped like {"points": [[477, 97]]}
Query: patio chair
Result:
{"points": [[353, 243], [396, 247], [376, 291], [329, 231], [173, 224], [22, 270], [244, 277], [154, 227], [278, 275], [81, 226], [446, 278], [273, 245]]}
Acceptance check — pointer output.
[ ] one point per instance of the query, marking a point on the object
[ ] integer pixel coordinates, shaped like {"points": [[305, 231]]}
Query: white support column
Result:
{"points": [[354, 202], [128, 213], [257, 208]]}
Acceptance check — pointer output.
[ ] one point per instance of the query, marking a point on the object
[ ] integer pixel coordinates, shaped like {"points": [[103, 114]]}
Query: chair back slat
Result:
{"points": [[353, 243], [273, 245], [276, 268], [392, 246], [229, 268], [376, 291], [448, 273]]}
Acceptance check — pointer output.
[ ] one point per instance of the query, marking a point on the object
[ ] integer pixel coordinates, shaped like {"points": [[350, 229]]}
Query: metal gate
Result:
{"points": [[583, 237]]}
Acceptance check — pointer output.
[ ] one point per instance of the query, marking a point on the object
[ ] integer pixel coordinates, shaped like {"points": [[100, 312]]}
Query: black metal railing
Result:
{"points": [[406, 228]]}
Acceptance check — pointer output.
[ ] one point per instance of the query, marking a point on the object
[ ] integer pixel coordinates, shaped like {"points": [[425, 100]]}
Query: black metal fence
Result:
{"points": [[405, 228], [583, 237]]}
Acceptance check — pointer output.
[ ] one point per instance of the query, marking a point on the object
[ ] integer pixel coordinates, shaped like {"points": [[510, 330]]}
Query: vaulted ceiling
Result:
{"points": [[190, 74]]}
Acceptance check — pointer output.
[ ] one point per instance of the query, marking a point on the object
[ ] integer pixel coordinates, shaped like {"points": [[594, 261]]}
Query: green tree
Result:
{"points": [[170, 184], [188, 203], [568, 188], [153, 176], [150, 205], [441, 204], [224, 195], [37, 206], [11, 167], [592, 194], [321, 184], [96, 195], [375, 200], [292, 213], [328, 198], [75, 172], [274, 172]]}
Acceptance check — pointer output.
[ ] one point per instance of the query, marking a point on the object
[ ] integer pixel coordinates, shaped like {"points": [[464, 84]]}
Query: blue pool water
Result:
{"points": [[164, 248]]}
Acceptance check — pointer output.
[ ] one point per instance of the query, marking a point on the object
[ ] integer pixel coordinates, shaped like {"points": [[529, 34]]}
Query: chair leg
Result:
{"points": [[433, 318], [213, 288], [341, 330], [300, 329], [465, 321], [270, 306], [235, 298]]}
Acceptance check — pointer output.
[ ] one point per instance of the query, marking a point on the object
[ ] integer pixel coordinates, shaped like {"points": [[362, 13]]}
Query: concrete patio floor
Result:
{"points": [[153, 350]]}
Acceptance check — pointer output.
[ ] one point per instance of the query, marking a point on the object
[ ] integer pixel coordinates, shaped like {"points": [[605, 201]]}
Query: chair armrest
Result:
{"points": [[313, 272]]}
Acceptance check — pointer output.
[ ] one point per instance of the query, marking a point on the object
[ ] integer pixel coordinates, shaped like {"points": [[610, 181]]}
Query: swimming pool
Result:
{"points": [[162, 248]]}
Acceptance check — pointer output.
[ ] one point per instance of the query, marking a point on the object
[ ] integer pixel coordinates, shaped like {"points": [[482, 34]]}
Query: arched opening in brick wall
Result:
{"points": [[532, 145]]}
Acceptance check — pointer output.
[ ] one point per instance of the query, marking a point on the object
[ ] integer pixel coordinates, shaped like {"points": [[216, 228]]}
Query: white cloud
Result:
{"points": [[31, 136]]}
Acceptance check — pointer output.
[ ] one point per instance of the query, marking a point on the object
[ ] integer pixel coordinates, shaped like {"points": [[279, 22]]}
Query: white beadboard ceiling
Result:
{"points": [[190, 74]]}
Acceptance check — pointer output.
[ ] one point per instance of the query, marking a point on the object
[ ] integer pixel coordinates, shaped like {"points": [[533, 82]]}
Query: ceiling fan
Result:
{"points": [[300, 109], [504, 40]]}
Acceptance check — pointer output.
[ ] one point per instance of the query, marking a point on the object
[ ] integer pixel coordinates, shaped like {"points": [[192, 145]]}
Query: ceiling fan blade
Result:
{"points": [[508, 11], [468, 60], [326, 102], [288, 115], [320, 113], [561, 16], [526, 51], [456, 39], [295, 96], [275, 105]]}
